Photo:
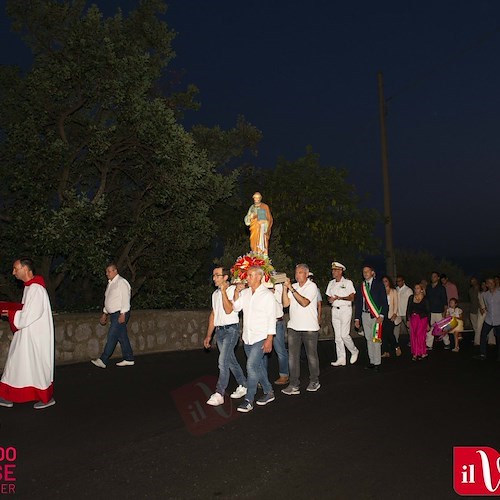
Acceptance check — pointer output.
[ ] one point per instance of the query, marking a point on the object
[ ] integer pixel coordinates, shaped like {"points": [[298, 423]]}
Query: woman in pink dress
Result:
{"points": [[418, 314]]}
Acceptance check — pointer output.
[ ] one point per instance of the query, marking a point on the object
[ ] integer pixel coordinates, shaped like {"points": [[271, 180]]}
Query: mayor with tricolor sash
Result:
{"points": [[371, 307]]}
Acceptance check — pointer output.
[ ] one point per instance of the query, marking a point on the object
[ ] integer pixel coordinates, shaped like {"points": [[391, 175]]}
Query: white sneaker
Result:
{"points": [[98, 362], [354, 357], [216, 399], [125, 363], [339, 362], [239, 392]]}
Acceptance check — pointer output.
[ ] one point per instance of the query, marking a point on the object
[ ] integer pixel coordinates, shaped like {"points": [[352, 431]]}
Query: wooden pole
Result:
{"points": [[389, 247]]}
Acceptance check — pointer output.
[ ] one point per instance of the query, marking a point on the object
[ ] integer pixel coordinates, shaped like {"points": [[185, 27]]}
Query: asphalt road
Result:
{"points": [[145, 431]]}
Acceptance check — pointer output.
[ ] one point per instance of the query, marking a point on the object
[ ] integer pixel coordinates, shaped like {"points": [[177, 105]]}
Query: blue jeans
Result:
{"points": [[280, 349], [117, 333], [227, 338], [256, 371], [484, 338], [310, 340]]}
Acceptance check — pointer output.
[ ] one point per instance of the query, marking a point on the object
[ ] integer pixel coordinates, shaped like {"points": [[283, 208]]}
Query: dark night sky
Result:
{"points": [[304, 72]]}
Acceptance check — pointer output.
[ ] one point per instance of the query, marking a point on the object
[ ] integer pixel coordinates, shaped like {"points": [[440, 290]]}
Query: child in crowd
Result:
{"points": [[455, 312]]}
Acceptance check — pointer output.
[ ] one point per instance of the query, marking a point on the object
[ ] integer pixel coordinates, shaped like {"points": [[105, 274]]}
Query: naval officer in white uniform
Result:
{"points": [[341, 293]]}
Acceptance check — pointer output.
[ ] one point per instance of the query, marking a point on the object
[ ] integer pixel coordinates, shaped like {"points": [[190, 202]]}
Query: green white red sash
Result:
{"points": [[374, 310]]}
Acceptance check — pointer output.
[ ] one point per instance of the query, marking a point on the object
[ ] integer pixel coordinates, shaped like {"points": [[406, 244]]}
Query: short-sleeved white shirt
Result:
{"points": [[304, 319], [221, 318], [341, 288]]}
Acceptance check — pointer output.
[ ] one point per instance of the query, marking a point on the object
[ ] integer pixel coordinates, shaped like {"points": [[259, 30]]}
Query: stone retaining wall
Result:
{"points": [[79, 337]]}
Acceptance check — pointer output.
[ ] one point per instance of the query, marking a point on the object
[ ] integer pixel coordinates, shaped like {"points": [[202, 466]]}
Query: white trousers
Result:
{"points": [[341, 322], [430, 338]]}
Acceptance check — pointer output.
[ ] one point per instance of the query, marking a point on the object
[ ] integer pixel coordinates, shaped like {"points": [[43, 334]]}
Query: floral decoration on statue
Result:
{"points": [[244, 263]]}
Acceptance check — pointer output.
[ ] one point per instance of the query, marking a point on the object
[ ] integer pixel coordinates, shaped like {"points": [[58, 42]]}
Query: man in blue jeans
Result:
{"points": [[117, 308], [259, 327], [492, 319], [226, 324], [279, 339]]}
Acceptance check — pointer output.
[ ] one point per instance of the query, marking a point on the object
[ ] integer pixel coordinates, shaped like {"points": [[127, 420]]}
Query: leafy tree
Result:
{"points": [[94, 162], [318, 214], [317, 218]]}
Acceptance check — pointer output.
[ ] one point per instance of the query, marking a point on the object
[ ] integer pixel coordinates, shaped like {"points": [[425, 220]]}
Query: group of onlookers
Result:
{"points": [[382, 312]]}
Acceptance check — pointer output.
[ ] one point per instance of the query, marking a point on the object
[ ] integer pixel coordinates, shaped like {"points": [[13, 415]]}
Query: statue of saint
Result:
{"points": [[260, 221]]}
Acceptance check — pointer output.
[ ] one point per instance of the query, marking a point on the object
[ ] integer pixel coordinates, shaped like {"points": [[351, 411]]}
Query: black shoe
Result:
{"points": [[480, 357], [371, 366], [376, 368]]}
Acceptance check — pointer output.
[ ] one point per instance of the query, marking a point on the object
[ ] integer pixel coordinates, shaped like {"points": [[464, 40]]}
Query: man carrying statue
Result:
{"points": [[260, 221]]}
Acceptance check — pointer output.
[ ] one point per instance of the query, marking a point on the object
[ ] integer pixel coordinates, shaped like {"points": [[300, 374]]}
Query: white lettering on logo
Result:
{"points": [[485, 463]]}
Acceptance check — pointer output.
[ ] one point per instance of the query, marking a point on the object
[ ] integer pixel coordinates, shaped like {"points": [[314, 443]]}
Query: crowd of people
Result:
{"points": [[382, 311]]}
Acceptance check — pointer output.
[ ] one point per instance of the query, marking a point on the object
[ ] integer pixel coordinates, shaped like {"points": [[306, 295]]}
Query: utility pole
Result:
{"points": [[389, 247]]}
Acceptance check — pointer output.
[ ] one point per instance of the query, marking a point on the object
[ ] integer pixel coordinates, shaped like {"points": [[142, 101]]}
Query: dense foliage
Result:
{"points": [[96, 165]]}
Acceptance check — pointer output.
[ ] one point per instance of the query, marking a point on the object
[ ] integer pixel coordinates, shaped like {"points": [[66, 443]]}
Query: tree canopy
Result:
{"points": [[96, 166]]}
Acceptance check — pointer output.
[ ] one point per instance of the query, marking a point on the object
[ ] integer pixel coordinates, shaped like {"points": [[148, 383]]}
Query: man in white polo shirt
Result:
{"points": [[226, 324], [303, 327], [341, 293], [259, 327]]}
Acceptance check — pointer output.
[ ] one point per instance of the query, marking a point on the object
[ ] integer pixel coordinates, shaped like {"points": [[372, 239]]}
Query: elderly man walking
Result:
{"points": [[341, 293], [259, 327], [117, 308], [303, 327]]}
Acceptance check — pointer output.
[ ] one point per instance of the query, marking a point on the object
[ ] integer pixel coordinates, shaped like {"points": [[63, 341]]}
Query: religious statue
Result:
{"points": [[260, 221]]}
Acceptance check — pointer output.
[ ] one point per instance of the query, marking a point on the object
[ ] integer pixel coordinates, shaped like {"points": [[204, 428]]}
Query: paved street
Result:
{"points": [[145, 431]]}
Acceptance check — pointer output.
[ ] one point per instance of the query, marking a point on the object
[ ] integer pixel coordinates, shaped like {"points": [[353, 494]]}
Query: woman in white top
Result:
{"points": [[390, 345]]}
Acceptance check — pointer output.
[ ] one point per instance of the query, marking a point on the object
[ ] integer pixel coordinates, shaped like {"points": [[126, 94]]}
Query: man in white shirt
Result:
{"points": [[341, 293], [226, 324], [117, 308], [303, 327], [404, 293], [259, 327]]}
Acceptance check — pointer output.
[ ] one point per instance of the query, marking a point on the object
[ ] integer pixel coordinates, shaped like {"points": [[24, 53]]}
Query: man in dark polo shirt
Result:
{"points": [[436, 295]]}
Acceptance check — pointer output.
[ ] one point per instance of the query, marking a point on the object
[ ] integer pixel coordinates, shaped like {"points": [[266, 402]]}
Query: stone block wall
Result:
{"points": [[80, 337]]}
